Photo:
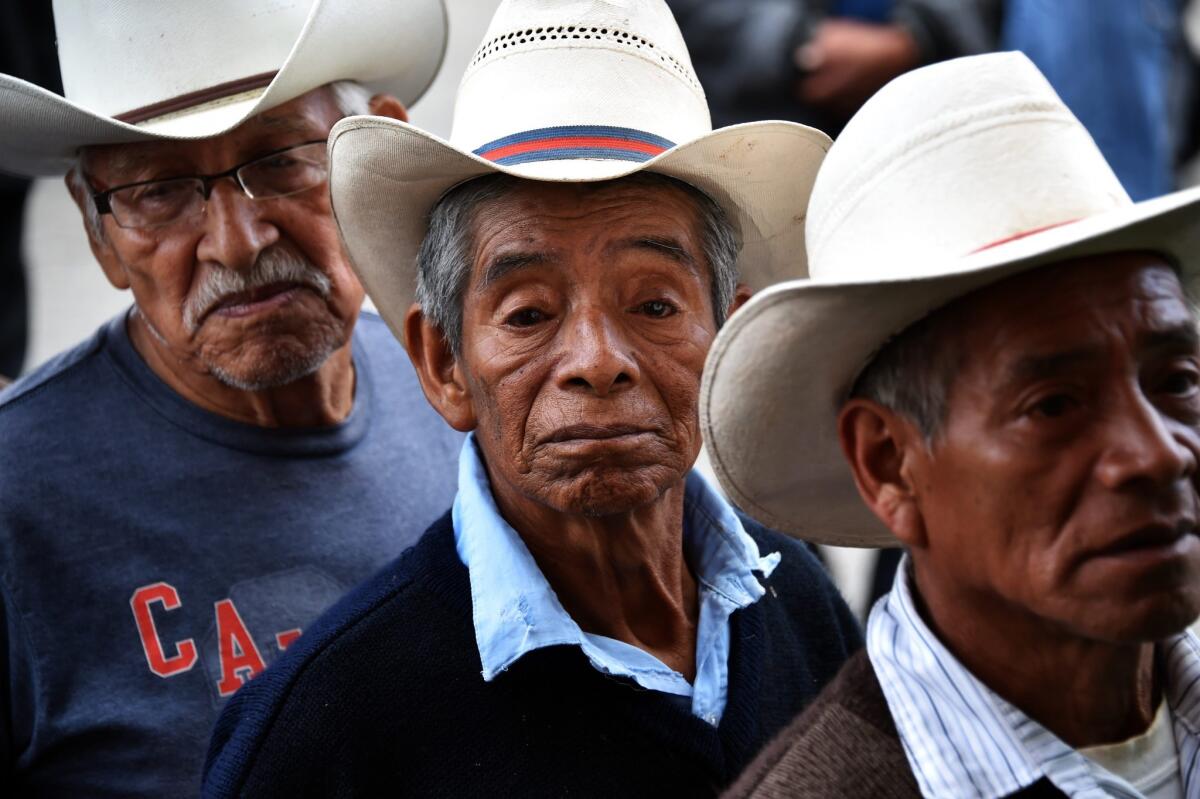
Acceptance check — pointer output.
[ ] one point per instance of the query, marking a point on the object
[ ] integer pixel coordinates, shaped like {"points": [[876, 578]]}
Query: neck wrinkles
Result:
{"points": [[622, 576], [1086, 692]]}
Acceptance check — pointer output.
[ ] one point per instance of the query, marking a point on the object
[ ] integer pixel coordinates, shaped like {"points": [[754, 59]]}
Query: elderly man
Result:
{"points": [[591, 618], [1013, 361], [183, 493]]}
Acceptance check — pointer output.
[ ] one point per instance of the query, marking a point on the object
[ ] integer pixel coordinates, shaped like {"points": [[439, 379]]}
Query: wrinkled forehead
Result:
{"points": [[525, 222], [1113, 300], [305, 118]]}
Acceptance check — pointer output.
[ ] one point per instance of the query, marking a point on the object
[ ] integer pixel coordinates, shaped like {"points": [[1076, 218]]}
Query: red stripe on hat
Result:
{"points": [[569, 142], [1022, 235]]}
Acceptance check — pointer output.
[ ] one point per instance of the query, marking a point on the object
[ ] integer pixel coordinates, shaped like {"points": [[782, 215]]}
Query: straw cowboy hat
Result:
{"points": [[952, 177], [136, 70], [573, 91]]}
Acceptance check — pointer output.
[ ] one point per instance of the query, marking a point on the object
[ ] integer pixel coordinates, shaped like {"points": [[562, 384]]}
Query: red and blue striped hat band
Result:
{"points": [[574, 141]]}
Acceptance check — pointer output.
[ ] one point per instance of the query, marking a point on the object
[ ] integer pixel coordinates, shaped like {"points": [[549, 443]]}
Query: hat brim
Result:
{"points": [[386, 176], [384, 45], [782, 365]]}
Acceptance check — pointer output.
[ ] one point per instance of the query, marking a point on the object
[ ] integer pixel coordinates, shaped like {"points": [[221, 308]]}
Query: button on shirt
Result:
{"points": [[962, 739], [516, 611]]}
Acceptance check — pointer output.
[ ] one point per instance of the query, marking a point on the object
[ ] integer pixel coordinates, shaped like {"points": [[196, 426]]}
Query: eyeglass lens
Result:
{"points": [[163, 202]]}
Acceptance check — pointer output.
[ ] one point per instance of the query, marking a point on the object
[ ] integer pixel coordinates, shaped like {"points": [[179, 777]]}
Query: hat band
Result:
{"points": [[1024, 234], [191, 99], [563, 142]]}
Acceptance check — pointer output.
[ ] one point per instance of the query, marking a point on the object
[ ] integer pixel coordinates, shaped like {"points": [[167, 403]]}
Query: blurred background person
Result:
{"points": [[817, 61], [1125, 69]]}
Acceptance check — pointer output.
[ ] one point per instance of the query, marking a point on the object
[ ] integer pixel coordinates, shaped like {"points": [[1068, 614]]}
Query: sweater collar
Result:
{"points": [[515, 610]]}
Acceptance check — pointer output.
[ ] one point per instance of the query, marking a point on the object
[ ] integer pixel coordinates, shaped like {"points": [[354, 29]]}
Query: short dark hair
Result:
{"points": [[913, 371]]}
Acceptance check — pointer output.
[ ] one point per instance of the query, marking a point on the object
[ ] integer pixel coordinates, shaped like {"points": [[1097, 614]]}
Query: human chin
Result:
{"points": [[1145, 605], [609, 486], [270, 353]]}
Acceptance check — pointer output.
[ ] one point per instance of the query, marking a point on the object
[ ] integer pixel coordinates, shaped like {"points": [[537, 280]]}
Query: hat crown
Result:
{"points": [[950, 160], [589, 66], [120, 56]]}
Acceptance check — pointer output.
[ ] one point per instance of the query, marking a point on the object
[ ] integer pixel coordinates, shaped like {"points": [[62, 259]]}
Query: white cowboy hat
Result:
{"points": [[134, 70], [951, 178], [574, 91]]}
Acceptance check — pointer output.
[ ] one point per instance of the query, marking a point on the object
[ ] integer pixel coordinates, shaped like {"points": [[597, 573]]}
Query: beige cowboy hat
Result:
{"points": [[952, 177], [135, 70], [575, 91]]}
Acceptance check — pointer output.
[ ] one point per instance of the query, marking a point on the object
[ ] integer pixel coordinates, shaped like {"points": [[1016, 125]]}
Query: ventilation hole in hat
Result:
{"points": [[515, 39]]}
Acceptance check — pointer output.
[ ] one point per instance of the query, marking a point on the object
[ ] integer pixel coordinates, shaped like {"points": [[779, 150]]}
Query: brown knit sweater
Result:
{"points": [[844, 744]]}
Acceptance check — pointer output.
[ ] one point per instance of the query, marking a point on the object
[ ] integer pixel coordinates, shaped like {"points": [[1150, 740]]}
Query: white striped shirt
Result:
{"points": [[962, 740]]}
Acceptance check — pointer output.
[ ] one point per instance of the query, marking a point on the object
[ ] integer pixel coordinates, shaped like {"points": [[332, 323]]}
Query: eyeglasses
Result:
{"points": [[156, 203]]}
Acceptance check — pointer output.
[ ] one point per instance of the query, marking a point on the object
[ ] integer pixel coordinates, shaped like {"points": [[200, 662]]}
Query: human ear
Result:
{"points": [[740, 295], [101, 248], [385, 105], [881, 447], [437, 368]]}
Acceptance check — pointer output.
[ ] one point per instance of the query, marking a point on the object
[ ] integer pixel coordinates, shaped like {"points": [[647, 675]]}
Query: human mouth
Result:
{"points": [[1154, 543], [260, 299], [592, 433]]}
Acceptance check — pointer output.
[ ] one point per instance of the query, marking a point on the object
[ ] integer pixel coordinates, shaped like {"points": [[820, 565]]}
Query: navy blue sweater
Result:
{"points": [[384, 696]]}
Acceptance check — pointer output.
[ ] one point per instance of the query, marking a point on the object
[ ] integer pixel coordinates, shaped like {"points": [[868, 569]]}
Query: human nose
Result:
{"points": [[234, 231], [595, 356], [1145, 446]]}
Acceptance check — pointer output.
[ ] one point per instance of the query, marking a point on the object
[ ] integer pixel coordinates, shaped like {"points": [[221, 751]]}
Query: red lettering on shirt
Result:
{"points": [[240, 659], [286, 638], [185, 651]]}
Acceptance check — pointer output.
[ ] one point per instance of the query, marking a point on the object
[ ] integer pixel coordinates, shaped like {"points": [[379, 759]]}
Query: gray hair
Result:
{"points": [[350, 97], [444, 260], [912, 373]]}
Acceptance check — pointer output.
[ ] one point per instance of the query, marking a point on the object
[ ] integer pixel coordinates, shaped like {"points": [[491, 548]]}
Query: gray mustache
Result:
{"points": [[274, 265]]}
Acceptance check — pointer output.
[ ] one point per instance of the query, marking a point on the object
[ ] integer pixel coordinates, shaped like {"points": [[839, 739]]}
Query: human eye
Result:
{"points": [[656, 309], [1052, 405], [1182, 381], [278, 161], [150, 197], [525, 317], [158, 190]]}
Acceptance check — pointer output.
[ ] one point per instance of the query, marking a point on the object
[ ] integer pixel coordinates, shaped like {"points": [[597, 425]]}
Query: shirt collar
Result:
{"points": [[962, 739], [515, 610]]}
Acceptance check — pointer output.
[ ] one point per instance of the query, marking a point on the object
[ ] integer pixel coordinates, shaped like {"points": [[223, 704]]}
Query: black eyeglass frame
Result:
{"points": [[101, 199]]}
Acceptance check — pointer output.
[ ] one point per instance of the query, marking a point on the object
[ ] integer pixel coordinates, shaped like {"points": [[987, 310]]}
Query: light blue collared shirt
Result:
{"points": [[962, 739], [516, 611]]}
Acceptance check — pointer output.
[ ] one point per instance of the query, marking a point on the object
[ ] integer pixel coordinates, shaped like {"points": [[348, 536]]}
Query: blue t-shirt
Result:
{"points": [[154, 556]]}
